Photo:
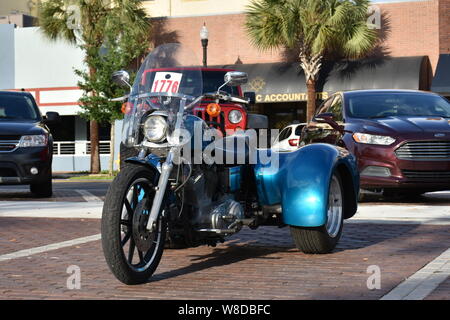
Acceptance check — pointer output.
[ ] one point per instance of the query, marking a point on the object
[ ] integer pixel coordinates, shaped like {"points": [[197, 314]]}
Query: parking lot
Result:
{"points": [[396, 249]]}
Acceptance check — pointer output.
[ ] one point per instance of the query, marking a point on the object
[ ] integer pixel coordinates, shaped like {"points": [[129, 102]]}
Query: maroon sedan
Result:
{"points": [[401, 138]]}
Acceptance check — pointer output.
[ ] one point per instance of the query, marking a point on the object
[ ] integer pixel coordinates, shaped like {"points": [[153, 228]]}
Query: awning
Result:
{"points": [[285, 82], [441, 80]]}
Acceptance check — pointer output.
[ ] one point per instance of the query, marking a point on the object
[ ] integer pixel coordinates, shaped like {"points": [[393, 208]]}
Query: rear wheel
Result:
{"points": [[131, 251], [324, 239]]}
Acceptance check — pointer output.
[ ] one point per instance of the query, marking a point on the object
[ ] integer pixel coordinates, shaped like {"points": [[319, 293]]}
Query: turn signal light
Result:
{"points": [[126, 108], [213, 109]]}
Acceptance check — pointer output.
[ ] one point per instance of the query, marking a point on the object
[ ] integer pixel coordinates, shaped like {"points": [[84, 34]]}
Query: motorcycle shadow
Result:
{"points": [[227, 254], [272, 244]]}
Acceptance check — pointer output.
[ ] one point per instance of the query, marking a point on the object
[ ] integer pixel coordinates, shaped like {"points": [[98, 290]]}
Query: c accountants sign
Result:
{"points": [[287, 97], [263, 94], [285, 82], [258, 85]]}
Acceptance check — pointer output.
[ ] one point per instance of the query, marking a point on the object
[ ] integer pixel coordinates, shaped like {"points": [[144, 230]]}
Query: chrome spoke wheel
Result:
{"points": [[131, 251], [137, 243], [335, 203]]}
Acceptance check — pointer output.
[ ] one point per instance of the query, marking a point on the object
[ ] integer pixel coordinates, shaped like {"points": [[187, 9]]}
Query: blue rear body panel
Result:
{"points": [[301, 181]]}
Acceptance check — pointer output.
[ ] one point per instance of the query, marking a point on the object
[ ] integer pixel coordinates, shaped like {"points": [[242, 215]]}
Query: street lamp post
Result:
{"points": [[204, 39]]}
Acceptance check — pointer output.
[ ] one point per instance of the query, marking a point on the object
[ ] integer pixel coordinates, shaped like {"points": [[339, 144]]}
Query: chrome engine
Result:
{"points": [[218, 215], [226, 217]]}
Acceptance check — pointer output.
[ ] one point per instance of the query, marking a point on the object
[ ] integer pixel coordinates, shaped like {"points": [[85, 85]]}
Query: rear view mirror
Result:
{"points": [[324, 117], [52, 118], [235, 78], [121, 78], [328, 118]]}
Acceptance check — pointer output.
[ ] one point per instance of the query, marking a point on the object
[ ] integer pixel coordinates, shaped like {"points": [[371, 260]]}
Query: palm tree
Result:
{"points": [[315, 28], [85, 23]]}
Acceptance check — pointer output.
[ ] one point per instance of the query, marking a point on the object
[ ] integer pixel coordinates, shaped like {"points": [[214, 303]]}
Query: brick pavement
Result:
{"points": [[442, 292], [261, 264], [25, 233]]}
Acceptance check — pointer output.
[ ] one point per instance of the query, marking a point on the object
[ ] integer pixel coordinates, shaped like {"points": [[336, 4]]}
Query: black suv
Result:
{"points": [[26, 145]]}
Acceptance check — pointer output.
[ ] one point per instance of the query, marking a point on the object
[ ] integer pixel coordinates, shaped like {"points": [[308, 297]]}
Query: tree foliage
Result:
{"points": [[336, 26], [316, 28], [112, 33]]}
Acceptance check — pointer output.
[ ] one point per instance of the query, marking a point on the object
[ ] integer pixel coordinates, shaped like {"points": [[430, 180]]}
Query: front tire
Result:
{"points": [[323, 239], [43, 189], [131, 252]]}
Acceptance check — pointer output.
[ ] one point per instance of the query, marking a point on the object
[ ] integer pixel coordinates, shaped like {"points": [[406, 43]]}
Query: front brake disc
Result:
{"points": [[143, 238]]}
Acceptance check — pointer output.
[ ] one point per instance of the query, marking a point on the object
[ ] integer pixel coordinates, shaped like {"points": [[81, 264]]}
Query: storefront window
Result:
{"points": [[282, 114]]}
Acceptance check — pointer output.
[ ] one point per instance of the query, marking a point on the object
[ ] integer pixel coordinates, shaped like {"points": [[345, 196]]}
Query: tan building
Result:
{"points": [[415, 36], [20, 13], [180, 8], [28, 7], [411, 28]]}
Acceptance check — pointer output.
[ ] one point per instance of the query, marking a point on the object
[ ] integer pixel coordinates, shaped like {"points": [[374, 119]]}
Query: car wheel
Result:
{"points": [[43, 189]]}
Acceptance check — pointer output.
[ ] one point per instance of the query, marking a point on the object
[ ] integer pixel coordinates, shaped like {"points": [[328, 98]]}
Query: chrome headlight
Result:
{"points": [[38, 140], [372, 139], [235, 116], [155, 128]]}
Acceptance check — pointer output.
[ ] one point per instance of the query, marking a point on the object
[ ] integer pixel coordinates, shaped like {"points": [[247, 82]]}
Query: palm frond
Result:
{"points": [[361, 42], [53, 20], [268, 23]]}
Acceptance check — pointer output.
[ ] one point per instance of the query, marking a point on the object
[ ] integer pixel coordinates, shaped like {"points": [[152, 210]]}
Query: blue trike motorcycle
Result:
{"points": [[190, 185]]}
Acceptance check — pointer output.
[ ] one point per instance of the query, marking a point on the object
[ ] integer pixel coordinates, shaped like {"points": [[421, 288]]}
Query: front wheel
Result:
{"points": [[324, 239], [131, 251]]}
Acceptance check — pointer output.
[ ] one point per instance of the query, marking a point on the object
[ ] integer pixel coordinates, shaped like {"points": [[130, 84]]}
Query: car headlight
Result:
{"points": [[155, 128], [37, 140], [235, 116], [372, 139]]}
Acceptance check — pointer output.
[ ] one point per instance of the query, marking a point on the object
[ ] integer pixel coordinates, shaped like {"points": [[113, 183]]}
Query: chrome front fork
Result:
{"points": [[166, 169]]}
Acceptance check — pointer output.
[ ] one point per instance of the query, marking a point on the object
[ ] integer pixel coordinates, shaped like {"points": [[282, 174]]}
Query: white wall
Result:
{"points": [[29, 60], [41, 63], [6, 56], [69, 163]]}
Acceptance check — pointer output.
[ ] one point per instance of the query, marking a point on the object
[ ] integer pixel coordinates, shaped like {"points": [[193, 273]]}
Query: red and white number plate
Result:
{"points": [[168, 82]]}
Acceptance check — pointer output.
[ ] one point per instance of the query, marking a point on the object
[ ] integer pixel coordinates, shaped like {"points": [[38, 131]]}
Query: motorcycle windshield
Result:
{"points": [[169, 74]]}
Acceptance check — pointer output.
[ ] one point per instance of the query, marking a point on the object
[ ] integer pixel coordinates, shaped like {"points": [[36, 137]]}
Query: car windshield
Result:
{"points": [[298, 130], [212, 80], [382, 105], [17, 107], [168, 79]]}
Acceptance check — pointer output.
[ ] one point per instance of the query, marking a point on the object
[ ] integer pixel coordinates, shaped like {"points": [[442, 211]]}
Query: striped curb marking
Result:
{"points": [[424, 281], [50, 247]]}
